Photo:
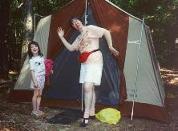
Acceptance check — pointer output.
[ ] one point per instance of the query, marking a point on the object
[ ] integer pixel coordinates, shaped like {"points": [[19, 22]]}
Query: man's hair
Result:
{"points": [[76, 18]]}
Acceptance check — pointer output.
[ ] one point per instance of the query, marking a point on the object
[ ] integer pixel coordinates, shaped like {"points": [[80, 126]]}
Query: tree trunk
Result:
{"points": [[176, 41], [4, 14], [28, 25]]}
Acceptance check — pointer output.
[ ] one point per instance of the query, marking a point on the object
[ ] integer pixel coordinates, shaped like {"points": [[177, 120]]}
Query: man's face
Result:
{"points": [[77, 24]]}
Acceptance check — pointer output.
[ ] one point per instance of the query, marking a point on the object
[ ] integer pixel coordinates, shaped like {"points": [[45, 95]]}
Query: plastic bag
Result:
{"points": [[109, 115]]}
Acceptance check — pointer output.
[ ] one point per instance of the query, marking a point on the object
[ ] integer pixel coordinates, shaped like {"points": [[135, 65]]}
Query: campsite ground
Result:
{"points": [[16, 116]]}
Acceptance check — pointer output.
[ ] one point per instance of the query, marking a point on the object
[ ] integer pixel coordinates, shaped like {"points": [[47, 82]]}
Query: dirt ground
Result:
{"points": [[16, 116]]}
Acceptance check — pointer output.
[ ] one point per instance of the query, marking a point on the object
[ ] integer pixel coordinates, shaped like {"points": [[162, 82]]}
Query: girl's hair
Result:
{"points": [[29, 49]]}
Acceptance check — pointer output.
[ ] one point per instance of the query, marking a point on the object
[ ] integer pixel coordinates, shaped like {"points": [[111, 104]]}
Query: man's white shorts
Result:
{"points": [[91, 73]]}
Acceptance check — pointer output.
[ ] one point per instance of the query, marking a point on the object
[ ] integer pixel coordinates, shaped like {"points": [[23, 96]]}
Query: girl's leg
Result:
{"points": [[39, 99], [34, 100], [41, 80]]}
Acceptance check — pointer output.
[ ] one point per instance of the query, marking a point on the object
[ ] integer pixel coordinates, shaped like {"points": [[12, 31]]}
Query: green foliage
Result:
{"points": [[175, 2], [46, 7]]}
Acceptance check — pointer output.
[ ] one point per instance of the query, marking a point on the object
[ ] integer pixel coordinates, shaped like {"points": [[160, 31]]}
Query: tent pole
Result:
{"points": [[86, 10], [82, 99], [86, 16], [137, 68]]}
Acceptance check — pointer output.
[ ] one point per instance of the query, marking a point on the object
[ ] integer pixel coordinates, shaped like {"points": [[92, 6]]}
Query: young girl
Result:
{"points": [[37, 68]]}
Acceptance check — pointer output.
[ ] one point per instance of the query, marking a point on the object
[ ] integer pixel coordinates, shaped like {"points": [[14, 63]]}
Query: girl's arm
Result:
{"points": [[70, 47]]}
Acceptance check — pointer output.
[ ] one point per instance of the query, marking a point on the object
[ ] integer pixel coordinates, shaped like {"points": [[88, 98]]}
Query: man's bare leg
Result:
{"points": [[92, 106], [88, 88]]}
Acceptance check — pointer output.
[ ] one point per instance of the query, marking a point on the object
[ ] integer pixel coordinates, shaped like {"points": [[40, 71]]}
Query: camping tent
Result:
{"points": [[131, 82]]}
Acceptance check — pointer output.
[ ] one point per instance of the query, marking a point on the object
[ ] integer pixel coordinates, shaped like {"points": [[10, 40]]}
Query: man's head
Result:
{"points": [[76, 23]]}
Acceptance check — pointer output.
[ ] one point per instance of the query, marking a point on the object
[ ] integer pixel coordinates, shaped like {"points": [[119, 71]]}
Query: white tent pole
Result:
{"points": [[137, 68], [82, 99], [86, 15]]}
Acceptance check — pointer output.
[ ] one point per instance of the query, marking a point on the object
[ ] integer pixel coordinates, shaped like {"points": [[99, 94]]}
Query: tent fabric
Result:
{"points": [[117, 28], [62, 19], [135, 70], [65, 80], [119, 31], [155, 64], [145, 67], [42, 34]]}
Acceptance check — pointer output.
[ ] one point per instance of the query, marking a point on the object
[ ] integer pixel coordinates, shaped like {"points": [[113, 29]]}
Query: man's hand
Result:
{"points": [[114, 51], [60, 32]]}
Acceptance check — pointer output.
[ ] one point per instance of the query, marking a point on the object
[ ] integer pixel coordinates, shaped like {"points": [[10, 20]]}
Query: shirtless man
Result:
{"points": [[91, 69]]}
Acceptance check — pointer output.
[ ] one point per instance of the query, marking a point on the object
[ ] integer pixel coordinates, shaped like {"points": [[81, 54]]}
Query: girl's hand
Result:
{"points": [[36, 84], [114, 51], [60, 32]]}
